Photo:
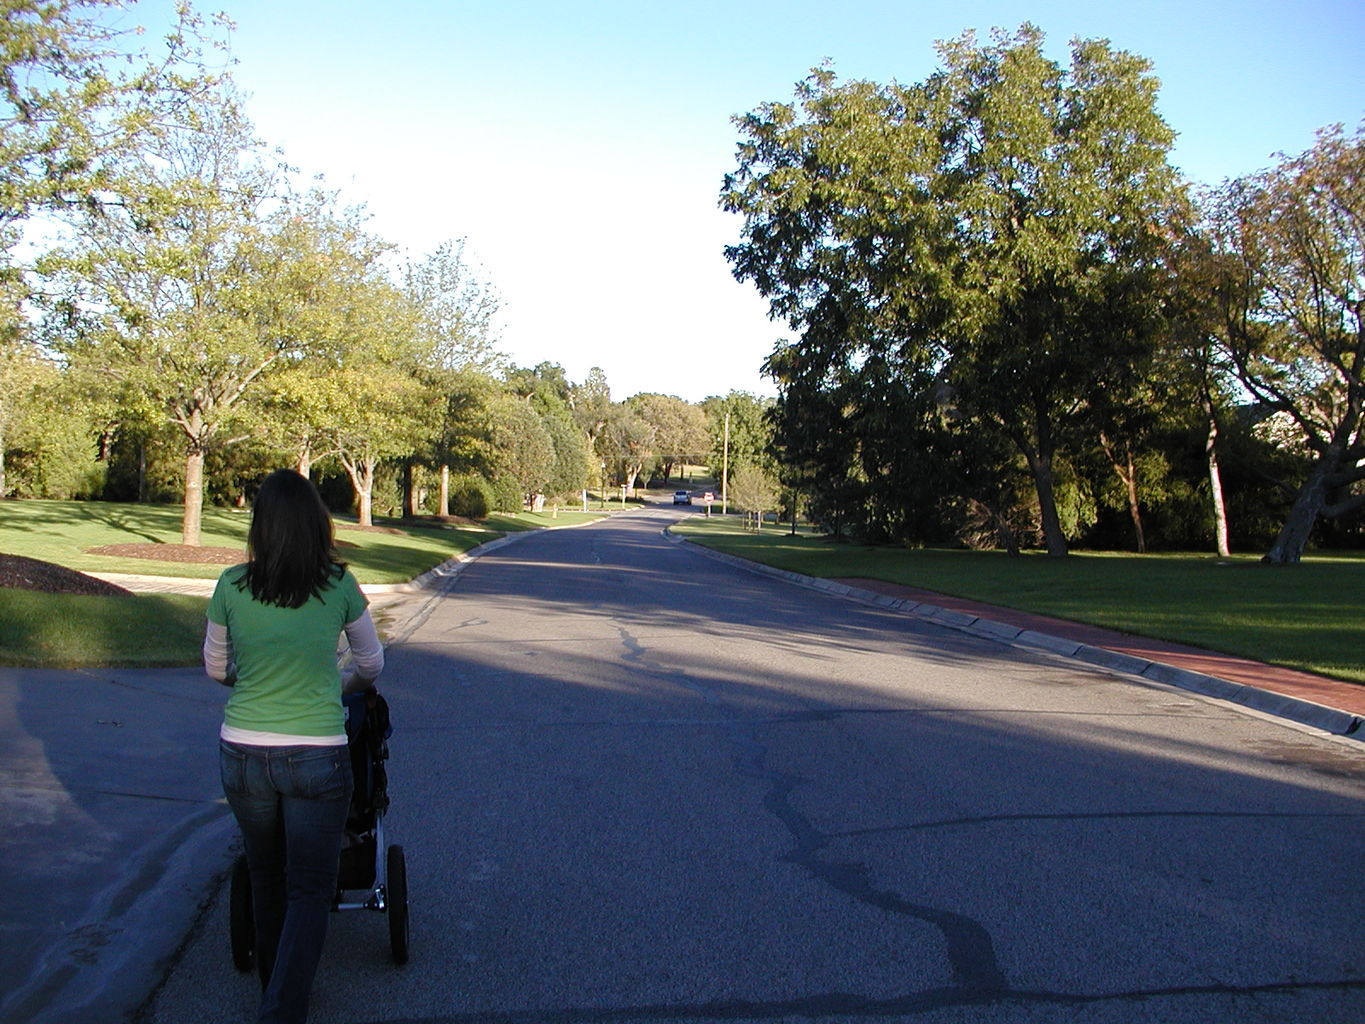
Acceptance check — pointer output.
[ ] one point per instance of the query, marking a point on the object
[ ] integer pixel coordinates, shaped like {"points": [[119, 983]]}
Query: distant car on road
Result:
{"points": [[682, 498]]}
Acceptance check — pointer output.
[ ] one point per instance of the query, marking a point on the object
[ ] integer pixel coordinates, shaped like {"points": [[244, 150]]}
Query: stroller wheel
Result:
{"points": [[241, 923], [397, 904]]}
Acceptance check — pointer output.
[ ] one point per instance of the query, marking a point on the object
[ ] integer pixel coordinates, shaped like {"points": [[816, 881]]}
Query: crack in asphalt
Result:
{"points": [[971, 952]]}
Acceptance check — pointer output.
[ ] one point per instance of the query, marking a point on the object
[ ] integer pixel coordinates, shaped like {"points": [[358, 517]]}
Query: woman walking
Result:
{"points": [[273, 629]]}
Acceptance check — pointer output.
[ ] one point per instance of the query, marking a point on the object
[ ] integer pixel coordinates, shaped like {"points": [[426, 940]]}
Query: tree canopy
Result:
{"points": [[1292, 248], [993, 226]]}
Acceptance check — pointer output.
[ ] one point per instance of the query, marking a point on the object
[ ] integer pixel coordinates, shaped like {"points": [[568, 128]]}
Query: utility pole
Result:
{"points": [[725, 468]]}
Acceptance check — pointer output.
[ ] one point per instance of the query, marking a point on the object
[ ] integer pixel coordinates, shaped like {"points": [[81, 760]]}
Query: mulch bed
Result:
{"points": [[22, 573]]}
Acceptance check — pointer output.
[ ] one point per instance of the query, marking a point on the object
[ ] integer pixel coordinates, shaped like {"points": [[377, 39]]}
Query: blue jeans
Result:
{"points": [[291, 804]]}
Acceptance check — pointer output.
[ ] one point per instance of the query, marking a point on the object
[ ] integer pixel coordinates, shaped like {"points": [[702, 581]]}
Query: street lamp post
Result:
{"points": [[725, 469]]}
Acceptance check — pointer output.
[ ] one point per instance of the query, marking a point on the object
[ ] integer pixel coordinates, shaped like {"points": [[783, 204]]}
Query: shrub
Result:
{"points": [[470, 496]]}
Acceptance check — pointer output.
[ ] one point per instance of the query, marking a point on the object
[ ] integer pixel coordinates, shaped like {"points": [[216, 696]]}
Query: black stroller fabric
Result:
{"points": [[367, 733]]}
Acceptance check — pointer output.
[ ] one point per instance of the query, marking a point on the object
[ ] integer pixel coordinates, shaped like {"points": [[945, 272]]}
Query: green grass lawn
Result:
{"points": [[70, 631], [65, 531], [75, 631], [1310, 616]]}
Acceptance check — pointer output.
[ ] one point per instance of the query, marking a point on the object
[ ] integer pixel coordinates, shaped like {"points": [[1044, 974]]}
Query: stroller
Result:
{"points": [[371, 876]]}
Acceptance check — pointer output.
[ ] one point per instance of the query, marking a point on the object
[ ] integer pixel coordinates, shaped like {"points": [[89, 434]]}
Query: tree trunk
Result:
{"points": [[361, 472], [443, 507], [192, 520], [106, 443], [1040, 464], [2, 467], [1303, 514], [410, 502], [304, 464], [1000, 522], [1127, 474], [1220, 512]]}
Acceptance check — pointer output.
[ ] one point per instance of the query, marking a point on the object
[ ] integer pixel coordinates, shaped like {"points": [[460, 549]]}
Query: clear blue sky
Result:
{"points": [[579, 147]]}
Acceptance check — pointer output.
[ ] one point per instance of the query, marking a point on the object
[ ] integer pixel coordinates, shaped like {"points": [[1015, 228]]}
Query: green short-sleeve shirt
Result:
{"points": [[287, 675]]}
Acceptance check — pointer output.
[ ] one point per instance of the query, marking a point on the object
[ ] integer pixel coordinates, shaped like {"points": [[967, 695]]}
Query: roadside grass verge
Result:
{"points": [[64, 531], [512, 522], [77, 631], [1309, 617]]}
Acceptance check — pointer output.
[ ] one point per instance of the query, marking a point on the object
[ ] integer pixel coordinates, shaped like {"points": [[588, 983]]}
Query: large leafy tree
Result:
{"points": [[522, 450], [546, 389], [75, 96], [22, 370], [750, 433], [455, 312], [591, 403], [678, 430], [376, 412], [1191, 371], [625, 444], [180, 292], [998, 222], [1292, 241], [352, 387]]}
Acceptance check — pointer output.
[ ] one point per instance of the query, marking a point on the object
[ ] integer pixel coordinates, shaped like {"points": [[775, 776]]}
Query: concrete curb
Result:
{"points": [[1279, 705]]}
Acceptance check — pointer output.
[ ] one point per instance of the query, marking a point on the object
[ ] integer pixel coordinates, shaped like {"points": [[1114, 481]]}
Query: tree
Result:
{"points": [[456, 310], [522, 451], [1191, 356], [591, 403], [376, 399], [816, 391], [22, 370], [625, 444], [182, 290], [753, 490], [456, 314], [460, 399], [546, 389], [678, 429], [354, 387], [1293, 238], [351, 317], [998, 221], [574, 463], [75, 96]]}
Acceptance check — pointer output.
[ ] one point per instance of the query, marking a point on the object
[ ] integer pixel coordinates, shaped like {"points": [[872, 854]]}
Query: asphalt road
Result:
{"points": [[635, 784]]}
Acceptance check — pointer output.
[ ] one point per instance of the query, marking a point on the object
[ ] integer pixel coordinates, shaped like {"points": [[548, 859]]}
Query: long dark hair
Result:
{"points": [[291, 547]]}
